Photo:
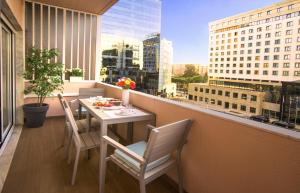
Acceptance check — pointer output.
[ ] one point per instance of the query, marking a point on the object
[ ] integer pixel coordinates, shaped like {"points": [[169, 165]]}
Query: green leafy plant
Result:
{"points": [[44, 75], [74, 72]]}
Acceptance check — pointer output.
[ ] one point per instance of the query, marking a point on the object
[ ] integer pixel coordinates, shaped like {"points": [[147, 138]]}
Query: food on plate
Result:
{"points": [[103, 104]]}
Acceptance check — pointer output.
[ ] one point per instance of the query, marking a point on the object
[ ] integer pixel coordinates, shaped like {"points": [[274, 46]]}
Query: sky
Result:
{"points": [[185, 23]]}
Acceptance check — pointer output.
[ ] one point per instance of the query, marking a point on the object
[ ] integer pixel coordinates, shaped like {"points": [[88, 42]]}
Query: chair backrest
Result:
{"points": [[72, 123], [61, 98], [166, 139], [88, 92]]}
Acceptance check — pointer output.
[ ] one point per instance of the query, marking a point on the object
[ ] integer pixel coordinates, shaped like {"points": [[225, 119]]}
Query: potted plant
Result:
{"points": [[126, 84], [45, 76], [75, 74]]}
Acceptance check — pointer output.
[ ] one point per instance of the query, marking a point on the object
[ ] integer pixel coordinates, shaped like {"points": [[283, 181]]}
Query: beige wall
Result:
{"points": [[224, 156], [71, 90], [17, 8]]}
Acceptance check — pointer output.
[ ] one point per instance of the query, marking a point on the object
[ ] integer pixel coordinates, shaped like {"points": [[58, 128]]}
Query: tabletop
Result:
{"points": [[112, 116]]}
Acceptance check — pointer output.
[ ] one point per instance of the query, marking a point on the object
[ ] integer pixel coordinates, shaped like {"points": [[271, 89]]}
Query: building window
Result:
{"points": [[275, 65], [220, 92], [196, 88], [252, 110], [253, 98], [213, 101], [286, 57], [277, 49], [290, 7], [219, 103], [267, 43], [274, 73], [244, 96], [269, 12], [297, 56], [297, 73], [297, 65], [287, 48], [278, 26], [195, 98], [227, 94], [285, 73], [265, 72], [288, 32], [226, 105], [213, 91], [279, 9], [289, 24], [286, 65], [288, 40], [190, 97], [234, 106], [267, 50], [268, 35], [243, 108], [235, 95], [277, 34], [201, 89], [207, 90]]}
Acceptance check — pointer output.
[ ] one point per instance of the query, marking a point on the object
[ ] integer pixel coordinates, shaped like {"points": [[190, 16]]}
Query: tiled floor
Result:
{"points": [[39, 166]]}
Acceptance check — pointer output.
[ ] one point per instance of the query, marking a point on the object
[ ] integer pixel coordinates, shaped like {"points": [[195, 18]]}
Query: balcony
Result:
{"points": [[224, 153]]}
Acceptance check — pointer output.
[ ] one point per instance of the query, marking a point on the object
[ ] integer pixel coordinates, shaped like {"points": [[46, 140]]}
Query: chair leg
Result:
{"points": [[142, 186], [70, 152], [179, 173], [64, 136], [75, 166]]}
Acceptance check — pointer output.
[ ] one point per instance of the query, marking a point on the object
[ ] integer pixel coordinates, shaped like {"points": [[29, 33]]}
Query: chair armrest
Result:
{"points": [[123, 149], [149, 129]]}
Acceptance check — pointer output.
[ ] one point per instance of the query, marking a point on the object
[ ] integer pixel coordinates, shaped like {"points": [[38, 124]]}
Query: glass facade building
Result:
{"points": [[133, 18]]}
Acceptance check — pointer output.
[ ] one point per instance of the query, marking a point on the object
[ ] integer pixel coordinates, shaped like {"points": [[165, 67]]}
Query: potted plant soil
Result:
{"points": [[44, 76], [75, 74]]}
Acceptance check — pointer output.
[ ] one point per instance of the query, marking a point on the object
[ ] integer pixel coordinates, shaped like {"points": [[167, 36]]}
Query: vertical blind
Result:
{"points": [[71, 32]]}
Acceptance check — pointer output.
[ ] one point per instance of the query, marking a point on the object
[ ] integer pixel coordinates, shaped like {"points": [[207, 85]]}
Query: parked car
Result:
{"points": [[260, 118], [284, 124]]}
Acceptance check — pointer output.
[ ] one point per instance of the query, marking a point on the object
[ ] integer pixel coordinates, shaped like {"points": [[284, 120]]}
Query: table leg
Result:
{"points": [[130, 132], [88, 117], [103, 150], [79, 111]]}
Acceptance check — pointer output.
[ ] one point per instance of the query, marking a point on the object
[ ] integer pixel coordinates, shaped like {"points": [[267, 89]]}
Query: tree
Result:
{"points": [[44, 75], [190, 71]]}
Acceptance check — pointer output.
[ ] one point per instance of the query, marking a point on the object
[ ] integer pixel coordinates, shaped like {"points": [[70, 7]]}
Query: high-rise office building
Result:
{"points": [[124, 27], [158, 59], [133, 19], [250, 55], [151, 52]]}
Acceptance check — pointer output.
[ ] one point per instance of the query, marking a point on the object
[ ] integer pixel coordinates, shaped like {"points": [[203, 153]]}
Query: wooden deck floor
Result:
{"points": [[39, 166]]}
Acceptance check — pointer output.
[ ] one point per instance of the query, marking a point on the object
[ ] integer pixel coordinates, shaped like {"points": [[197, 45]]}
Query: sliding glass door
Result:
{"points": [[7, 81]]}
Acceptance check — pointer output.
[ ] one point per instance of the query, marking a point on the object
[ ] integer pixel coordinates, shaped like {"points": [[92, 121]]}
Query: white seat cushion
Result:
{"points": [[139, 148]]}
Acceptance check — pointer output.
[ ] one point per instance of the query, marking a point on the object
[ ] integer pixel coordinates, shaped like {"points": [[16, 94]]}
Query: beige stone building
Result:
{"points": [[258, 50]]}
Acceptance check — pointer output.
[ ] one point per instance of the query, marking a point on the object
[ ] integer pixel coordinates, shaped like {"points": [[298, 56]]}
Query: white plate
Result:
{"points": [[113, 108]]}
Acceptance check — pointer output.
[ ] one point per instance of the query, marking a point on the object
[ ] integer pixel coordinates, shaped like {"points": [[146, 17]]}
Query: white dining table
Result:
{"points": [[107, 116]]}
